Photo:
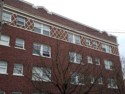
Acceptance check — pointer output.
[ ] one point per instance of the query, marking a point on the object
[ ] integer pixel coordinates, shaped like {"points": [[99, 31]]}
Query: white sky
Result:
{"points": [[105, 15]]}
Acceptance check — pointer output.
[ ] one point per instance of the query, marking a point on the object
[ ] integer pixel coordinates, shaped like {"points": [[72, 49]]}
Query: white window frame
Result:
{"points": [[87, 42], [75, 57], [20, 19], [3, 67], [40, 50], [106, 48], [97, 61], [6, 16], [108, 65], [19, 45], [4, 40], [77, 79], [112, 83], [74, 38], [18, 69], [43, 28], [41, 74], [89, 60]]}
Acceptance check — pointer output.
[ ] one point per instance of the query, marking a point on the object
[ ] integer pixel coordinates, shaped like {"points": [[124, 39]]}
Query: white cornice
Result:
{"points": [[55, 23]]}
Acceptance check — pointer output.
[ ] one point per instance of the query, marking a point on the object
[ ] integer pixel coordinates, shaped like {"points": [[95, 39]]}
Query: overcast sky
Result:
{"points": [[104, 15]]}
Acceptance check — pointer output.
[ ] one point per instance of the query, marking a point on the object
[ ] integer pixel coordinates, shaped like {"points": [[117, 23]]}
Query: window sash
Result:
{"points": [[18, 69], [3, 67], [4, 40], [108, 65], [77, 78], [6, 16], [20, 20], [77, 39], [97, 61], [37, 27], [87, 42], [19, 43], [70, 37], [46, 30], [89, 58]]}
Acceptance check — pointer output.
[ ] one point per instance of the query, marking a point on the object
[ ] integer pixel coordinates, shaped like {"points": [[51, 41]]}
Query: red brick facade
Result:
{"points": [[59, 29]]}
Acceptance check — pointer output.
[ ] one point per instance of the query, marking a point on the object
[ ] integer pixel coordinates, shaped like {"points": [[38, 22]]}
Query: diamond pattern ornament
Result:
{"points": [[29, 24]]}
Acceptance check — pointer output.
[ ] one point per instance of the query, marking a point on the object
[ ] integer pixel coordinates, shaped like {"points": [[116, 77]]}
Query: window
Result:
{"points": [[42, 92], [74, 38], [95, 44], [4, 40], [97, 61], [41, 29], [106, 48], [87, 42], [41, 74], [6, 16], [100, 81], [108, 64], [77, 78], [19, 43], [39, 49], [92, 79], [16, 92], [2, 92], [18, 69], [20, 20], [75, 57], [112, 83], [3, 67], [89, 59]]}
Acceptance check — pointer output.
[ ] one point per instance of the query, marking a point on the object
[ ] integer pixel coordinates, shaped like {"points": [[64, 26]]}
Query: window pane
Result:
{"points": [[72, 56], [46, 50], [2, 92], [37, 27], [77, 39], [70, 37], [46, 30], [87, 42]]}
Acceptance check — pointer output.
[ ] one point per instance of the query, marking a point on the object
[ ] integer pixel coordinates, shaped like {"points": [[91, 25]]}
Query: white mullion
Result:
{"points": [[41, 28], [41, 50]]}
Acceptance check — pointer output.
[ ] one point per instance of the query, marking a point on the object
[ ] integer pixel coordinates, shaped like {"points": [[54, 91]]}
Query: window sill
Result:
{"points": [[5, 45], [20, 48], [41, 55], [18, 74], [4, 73]]}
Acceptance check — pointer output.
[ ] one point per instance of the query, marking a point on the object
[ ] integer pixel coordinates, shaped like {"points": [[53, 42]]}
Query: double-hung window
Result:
{"points": [[97, 61], [77, 79], [106, 48], [95, 44], [87, 42], [3, 67], [89, 59], [41, 29], [75, 57], [19, 43], [108, 65], [4, 40], [41, 49], [112, 83], [41, 74], [74, 38], [18, 69], [100, 80], [6, 16], [20, 21]]}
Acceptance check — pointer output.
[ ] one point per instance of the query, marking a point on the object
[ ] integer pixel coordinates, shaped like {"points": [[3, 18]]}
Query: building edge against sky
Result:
{"points": [[28, 33]]}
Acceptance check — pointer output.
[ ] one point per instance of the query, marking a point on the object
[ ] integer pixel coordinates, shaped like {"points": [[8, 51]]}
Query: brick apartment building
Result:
{"points": [[45, 52]]}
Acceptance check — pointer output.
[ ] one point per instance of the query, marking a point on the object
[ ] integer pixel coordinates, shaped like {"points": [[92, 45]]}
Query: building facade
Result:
{"points": [[33, 41]]}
